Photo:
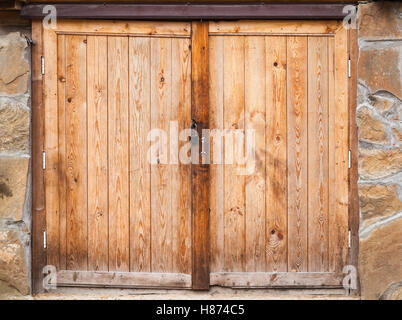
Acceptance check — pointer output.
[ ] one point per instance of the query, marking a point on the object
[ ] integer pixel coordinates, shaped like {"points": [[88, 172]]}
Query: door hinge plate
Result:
{"points": [[350, 159], [349, 239], [43, 160], [42, 65], [44, 240], [349, 68]]}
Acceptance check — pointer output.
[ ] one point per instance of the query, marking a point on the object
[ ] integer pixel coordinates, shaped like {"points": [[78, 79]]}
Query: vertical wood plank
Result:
{"points": [[255, 178], [339, 194], [140, 113], [118, 145], [297, 152], [200, 172], [38, 187], [216, 184], [318, 154], [353, 145], [61, 96], [51, 148], [97, 153], [181, 173], [76, 147], [234, 183], [161, 222], [276, 150]]}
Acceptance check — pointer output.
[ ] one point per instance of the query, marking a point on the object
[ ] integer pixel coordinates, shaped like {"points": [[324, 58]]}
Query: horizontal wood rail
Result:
{"points": [[190, 11], [67, 278], [276, 279]]}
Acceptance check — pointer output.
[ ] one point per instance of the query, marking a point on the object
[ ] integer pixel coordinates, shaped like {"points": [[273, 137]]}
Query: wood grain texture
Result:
{"points": [[255, 108], [339, 193], [277, 279], [181, 173], [175, 11], [318, 154], [121, 28], [118, 145], [234, 183], [66, 278], [76, 149], [51, 147], [62, 101], [216, 185], [353, 257], [200, 172], [161, 218], [276, 155], [274, 27], [38, 188], [297, 152], [140, 171], [98, 207]]}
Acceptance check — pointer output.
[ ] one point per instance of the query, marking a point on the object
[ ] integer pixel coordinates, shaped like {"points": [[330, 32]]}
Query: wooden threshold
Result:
{"points": [[276, 279], [176, 11], [104, 279]]}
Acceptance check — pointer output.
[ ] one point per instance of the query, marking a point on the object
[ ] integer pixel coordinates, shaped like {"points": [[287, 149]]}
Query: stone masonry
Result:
{"points": [[15, 193], [379, 120]]}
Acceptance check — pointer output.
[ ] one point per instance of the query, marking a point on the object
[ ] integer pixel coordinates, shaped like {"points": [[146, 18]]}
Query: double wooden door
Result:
{"points": [[113, 91]]}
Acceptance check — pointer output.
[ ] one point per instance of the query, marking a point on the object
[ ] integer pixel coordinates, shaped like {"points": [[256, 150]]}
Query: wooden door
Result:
{"points": [[285, 223], [113, 217]]}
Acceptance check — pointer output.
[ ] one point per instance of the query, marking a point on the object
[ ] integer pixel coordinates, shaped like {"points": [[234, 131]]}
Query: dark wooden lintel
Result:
{"points": [[176, 11]]}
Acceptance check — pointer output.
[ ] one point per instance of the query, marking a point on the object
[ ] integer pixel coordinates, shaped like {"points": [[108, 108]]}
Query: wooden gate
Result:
{"points": [[286, 222], [113, 218], [107, 85]]}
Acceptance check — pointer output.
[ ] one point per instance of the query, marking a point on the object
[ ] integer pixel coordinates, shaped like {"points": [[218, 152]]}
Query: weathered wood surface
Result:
{"points": [[200, 172], [277, 279], [66, 278], [113, 211], [104, 209], [38, 188], [300, 226], [174, 11]]}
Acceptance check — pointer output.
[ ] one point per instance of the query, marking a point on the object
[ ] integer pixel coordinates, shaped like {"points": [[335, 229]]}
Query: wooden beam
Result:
{"points": [[277, 280], [67, 278], [190, 11], [38, 188], [353, 171], [200, 172]]}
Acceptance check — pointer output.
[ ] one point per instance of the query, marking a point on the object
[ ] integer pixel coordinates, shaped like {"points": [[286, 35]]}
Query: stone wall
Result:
{"points": [[15, 193], [379, 120]]}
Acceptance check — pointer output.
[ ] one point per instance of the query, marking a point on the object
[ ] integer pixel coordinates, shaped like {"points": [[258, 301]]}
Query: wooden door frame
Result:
{"points": [[190, 11], [201, 279]]}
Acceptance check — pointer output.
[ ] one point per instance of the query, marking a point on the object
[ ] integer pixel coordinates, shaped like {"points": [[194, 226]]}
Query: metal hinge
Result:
{"points": [[44, 240], [349, 68], [43, 160], [43, 65], [350, 159], [349, 239], [30, 42]]}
